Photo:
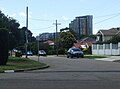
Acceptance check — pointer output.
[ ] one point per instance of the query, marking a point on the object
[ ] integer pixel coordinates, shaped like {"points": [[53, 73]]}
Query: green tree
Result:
{"points": [[114, 39], [12, 26], [66, 40], [17, 36], [3, 46], [70, 30]]}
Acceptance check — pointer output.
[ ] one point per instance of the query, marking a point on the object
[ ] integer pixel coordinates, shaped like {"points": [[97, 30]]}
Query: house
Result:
{"points": [[84, 43], [50, 43], [104, 35]]}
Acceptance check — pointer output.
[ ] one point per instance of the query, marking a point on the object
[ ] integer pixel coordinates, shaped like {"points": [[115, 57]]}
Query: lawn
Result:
{"points": [[16, 63], [117, 61], [94, 56]]}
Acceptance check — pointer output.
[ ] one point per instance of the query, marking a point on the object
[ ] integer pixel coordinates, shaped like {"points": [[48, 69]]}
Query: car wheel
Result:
{"points": [[67, 56], [77, 56], [71, 56]]}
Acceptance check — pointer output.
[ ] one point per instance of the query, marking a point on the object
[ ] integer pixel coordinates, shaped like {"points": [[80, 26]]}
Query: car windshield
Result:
{"points": [[29, 52], [76, 49], [42, 51]]}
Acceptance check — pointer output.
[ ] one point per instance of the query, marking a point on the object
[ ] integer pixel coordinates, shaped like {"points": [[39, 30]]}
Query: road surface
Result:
{"points": [[65, 74]]}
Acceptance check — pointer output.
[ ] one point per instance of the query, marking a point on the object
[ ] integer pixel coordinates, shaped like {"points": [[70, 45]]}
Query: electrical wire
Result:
{"points": [[106, 15], [43, 28], [107, 19], [112, 16], [37, 19]]}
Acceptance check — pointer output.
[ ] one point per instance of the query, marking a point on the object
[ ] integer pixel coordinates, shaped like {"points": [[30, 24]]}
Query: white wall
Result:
{"points": [[106, 49]]}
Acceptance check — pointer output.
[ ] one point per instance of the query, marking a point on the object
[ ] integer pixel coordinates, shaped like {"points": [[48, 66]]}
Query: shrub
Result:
{"points": [[88, 50], [62, 51], [18, 54], [51, 52], [3, 46]]}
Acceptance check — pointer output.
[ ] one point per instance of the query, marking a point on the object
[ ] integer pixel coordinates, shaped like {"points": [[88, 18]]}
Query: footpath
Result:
{"points": [[110, 58]]}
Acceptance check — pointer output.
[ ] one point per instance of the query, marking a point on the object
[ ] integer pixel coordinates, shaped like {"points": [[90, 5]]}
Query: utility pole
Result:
{"points": [[56, 36], [38, 46], [26, 30]]}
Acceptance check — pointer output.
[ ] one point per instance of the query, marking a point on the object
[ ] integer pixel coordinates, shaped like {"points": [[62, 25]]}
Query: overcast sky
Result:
{"points": [[43, 13]]}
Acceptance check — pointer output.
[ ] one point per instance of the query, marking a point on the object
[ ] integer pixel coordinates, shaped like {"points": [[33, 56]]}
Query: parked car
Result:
{"points": [[29, 53], [75, 52], [42, 53]]}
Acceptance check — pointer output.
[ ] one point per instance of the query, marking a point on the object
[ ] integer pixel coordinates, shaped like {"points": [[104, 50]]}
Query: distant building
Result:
{"points": [[46, 36], [82, 25], [43, 37]]}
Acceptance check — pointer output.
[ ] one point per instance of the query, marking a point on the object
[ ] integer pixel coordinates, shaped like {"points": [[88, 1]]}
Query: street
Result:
{"points": [[65, 74]]}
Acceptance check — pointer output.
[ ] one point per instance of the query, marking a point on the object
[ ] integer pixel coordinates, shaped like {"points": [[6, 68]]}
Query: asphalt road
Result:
{"points": [[65, 74]]}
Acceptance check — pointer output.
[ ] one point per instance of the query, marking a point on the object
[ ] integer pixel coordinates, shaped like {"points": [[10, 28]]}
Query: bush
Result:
{"points": [[88, 50], [18, 54], [3, 46], [51, 52], [62, 51]]}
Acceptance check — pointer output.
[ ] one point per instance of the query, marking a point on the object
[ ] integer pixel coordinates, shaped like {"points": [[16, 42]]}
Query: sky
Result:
{"points": [[43, 13]]}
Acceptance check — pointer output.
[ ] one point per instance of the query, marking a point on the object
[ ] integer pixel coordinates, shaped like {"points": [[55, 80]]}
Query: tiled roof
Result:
{"points": [[49, 42], [110, 32], [85, 41]]}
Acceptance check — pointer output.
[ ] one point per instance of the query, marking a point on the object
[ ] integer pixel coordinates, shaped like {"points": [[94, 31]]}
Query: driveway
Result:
{"points": [[81, 64]]}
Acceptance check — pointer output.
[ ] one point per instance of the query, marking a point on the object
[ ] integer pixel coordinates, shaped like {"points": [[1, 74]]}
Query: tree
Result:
{"points": [[70, 30], [3, 46], [12, 26], [66, 40], [114, 39]]}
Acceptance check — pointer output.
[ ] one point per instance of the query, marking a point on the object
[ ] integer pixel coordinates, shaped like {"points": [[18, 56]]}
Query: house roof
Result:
{"points": [[49, 42], [85, 41], [110, 32]]}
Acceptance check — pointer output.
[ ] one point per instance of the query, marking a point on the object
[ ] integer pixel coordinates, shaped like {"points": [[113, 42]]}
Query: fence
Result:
{"points": [[106, 49]]}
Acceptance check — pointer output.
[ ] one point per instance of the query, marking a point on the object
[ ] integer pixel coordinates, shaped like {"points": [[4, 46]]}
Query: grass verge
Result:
{"points": [[94, 56], [117, 61], [15, 63]]}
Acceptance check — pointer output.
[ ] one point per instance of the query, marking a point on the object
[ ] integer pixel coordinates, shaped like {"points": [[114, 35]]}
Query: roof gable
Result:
{"points": [[110, 32]]}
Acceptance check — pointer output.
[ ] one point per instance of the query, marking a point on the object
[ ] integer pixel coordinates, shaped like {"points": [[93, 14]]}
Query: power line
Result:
{"points": [[37, 19], [48, 20], [43, 28], [107, 19], [112, 16], [102, 16]]}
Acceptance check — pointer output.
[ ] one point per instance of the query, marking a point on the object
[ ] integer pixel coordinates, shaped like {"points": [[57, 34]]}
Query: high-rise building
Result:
{"points": [[46, 36], [82, 25]]}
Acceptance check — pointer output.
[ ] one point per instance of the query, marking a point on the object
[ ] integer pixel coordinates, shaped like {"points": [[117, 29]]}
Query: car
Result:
{"points": [[29, 53], [75, 52], [42, 53]]}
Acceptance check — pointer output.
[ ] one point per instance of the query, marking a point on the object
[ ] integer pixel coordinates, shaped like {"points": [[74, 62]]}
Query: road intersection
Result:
{"points": [[65, 73]]}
